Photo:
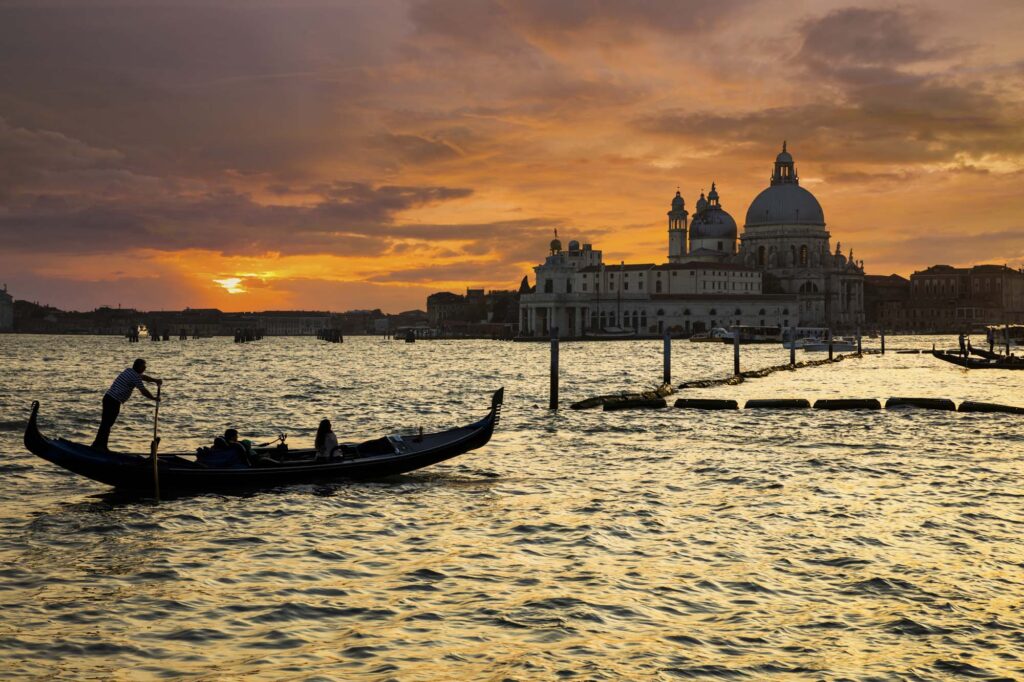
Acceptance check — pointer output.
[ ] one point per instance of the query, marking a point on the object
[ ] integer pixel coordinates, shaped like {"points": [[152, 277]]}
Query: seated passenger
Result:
{"points": [[326, 442], [226, 452]]}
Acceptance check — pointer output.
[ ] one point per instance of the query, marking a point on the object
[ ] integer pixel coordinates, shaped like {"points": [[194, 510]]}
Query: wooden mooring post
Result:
{"points": [[830, 344], [860, 349], [736, 351], [882, 335], [792, 346], [553, 398], [667, 359], [1006, 331]]}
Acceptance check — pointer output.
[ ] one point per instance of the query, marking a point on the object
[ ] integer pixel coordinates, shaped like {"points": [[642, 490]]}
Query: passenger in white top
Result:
{"points": [[326, 442]]}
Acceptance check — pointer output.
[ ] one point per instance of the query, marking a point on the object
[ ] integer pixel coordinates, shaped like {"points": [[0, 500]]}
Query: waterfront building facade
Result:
{"points": [[6, 311], [780, 272], [947, 298]]}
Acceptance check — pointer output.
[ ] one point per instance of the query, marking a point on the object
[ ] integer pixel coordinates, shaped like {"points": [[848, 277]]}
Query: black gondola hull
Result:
{"points": [[1005, 362], [178, 474]]}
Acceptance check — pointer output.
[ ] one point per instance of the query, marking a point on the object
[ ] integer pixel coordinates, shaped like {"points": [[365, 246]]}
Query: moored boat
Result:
{"points": [[839, 345], [1005, 362], [270, 467], [612, 333]]}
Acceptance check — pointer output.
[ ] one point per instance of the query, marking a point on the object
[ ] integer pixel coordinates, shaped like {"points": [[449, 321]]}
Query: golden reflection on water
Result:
{"points": [[592, 545]]}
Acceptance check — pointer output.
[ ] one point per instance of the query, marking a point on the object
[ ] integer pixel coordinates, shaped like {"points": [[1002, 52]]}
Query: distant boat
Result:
{"points": [[612, 333], [839, 345], [1005, 362], [717, 334], [273, 467]]}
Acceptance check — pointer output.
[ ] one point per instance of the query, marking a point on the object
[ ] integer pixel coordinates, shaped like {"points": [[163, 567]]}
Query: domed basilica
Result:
{"points": [[780, 272]]}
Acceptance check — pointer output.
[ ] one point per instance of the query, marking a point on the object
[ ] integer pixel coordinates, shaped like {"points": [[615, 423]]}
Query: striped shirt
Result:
{"points": [[123, 385]]}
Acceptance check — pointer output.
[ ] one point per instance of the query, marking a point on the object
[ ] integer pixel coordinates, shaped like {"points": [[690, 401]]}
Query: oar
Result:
{"points": [[154, 445]]}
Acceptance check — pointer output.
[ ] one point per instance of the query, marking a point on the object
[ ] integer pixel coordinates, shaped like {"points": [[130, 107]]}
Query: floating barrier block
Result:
{"points": [[706, 404], [778, 404], [923, 403], [598, 401], [847, 404], [971, 406], [909, 352], [636, 404]]}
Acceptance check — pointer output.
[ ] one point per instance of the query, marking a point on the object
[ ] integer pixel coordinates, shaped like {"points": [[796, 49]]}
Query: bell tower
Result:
{"points": [[677, 229]]}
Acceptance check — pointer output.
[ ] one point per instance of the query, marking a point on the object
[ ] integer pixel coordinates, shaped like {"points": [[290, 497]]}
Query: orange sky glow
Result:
{"points": [[339, 155]]}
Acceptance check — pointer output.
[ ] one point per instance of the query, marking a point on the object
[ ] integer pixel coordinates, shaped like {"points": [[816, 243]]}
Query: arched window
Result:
{"points": [[568, 286], [657, 287], [549, 286], [661, 311], [761, 312], [760, 255], [803, 254], [792, 253], [686, 312], [739, 312], [785, 311], [712, 312], [808, 288]]}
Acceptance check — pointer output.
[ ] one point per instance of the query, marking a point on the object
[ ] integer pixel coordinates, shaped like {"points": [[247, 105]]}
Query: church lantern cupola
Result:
{"points": [[556, 244], [785, 169]]}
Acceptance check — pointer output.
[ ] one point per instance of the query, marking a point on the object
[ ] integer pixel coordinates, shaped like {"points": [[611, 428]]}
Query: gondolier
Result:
{"points": [[118, 394]]}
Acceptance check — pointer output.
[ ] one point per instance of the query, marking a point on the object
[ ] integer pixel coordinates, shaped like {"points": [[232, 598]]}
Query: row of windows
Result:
{"points": [[800, 256]]}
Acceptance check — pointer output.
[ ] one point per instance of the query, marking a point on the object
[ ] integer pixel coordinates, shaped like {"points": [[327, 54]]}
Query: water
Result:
{"points": [[579, 545]]}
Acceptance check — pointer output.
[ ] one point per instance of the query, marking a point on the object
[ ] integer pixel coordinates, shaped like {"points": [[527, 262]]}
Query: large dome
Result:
{"points": [[785, 204], [713, 224]]}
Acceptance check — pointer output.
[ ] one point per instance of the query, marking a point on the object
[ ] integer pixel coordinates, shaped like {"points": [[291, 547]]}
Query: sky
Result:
{"points": [[257, 154]]}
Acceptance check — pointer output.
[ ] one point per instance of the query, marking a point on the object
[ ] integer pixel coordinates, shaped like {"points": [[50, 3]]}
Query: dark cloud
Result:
{"points": [[871, 107], [853, 38], [352, 218], [416, 148], [516, 26], [998, 247]]}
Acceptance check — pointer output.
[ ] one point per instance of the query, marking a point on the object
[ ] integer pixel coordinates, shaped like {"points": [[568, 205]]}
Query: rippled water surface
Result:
{"points": [[631, 545]]}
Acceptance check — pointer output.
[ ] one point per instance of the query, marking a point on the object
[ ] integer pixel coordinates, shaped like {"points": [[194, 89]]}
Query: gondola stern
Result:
{"points": [[35, 441], [497, 400]]}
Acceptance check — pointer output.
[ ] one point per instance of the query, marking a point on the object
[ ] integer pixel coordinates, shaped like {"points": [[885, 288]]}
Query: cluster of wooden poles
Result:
{"points": [[330, 335], [248, 335]]}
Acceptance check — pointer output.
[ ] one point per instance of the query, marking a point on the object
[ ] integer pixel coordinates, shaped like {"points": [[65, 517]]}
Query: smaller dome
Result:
{"points": [[677, 202], [713, 224], [702, 203], [713, 194], [574, 245], [556, 245]]}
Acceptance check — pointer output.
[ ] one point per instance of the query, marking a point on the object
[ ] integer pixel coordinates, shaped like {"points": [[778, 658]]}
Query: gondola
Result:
{"points": [[270, 467], [1004, 362], [982, 353]]}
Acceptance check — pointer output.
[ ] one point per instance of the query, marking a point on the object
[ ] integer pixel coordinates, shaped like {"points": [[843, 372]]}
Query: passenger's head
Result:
{"points": [[139, 365], [321, 433], [231, 436]]}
